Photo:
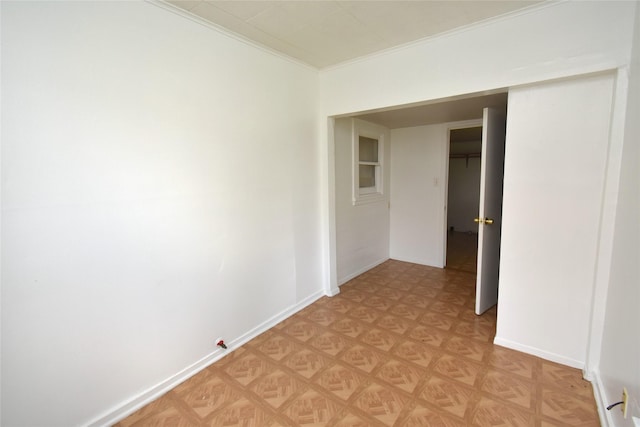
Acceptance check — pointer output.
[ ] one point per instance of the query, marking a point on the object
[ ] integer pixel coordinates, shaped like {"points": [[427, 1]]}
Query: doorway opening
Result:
{"points": [[463, 198], [415, 212], [489, 219], [463, 201]]}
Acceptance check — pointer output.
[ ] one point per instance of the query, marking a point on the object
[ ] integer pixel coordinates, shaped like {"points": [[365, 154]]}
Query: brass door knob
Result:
{"points": [[487, 221]]}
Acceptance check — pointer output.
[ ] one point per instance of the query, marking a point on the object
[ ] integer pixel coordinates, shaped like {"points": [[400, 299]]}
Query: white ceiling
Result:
{"points": [[451, 110], [327, 32], [322, 33]]}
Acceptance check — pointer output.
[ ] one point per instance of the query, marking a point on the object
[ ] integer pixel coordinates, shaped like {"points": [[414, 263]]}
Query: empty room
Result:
{"points": [[237, 213]]}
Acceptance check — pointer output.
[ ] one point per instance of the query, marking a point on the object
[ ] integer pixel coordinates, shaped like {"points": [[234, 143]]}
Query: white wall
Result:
{"points": [[160, 189], [418, 174], [555, 163], [362, 231], [620, 355], [463, 194], [559, 39], [127, 134]]}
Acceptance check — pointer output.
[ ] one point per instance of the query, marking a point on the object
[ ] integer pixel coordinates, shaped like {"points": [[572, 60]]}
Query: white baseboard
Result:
{"points": [[539, 353], [601, 399], [419, 262], [122, 411], [332, 292], [343, 280]]}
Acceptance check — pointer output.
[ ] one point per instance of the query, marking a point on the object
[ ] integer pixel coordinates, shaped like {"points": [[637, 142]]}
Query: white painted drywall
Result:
{"points": [[362, 237], [620, 355], [556, 155], [558, 39], [160, 189], [418, 173], [463, 194]]}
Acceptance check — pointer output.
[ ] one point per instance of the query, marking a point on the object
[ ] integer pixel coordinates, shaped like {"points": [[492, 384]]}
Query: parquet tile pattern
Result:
{"points": [[399, 346]]}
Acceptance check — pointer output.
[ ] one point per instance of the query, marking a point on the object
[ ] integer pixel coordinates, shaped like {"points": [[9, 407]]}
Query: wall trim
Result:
{"points": [[120, 412], [606, 226], [553, 357], [328, 203], [449, 33], [417, 261], [343, 280], [164, 4], [332, 292], [600, 396]]}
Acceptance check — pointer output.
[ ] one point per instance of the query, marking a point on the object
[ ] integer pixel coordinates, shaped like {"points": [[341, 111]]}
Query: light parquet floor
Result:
{"points": [[462, 251], [399, 346]]}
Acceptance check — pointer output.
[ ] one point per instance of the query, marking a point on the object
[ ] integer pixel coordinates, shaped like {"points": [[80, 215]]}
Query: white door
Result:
{"points": [[490, 211]]}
